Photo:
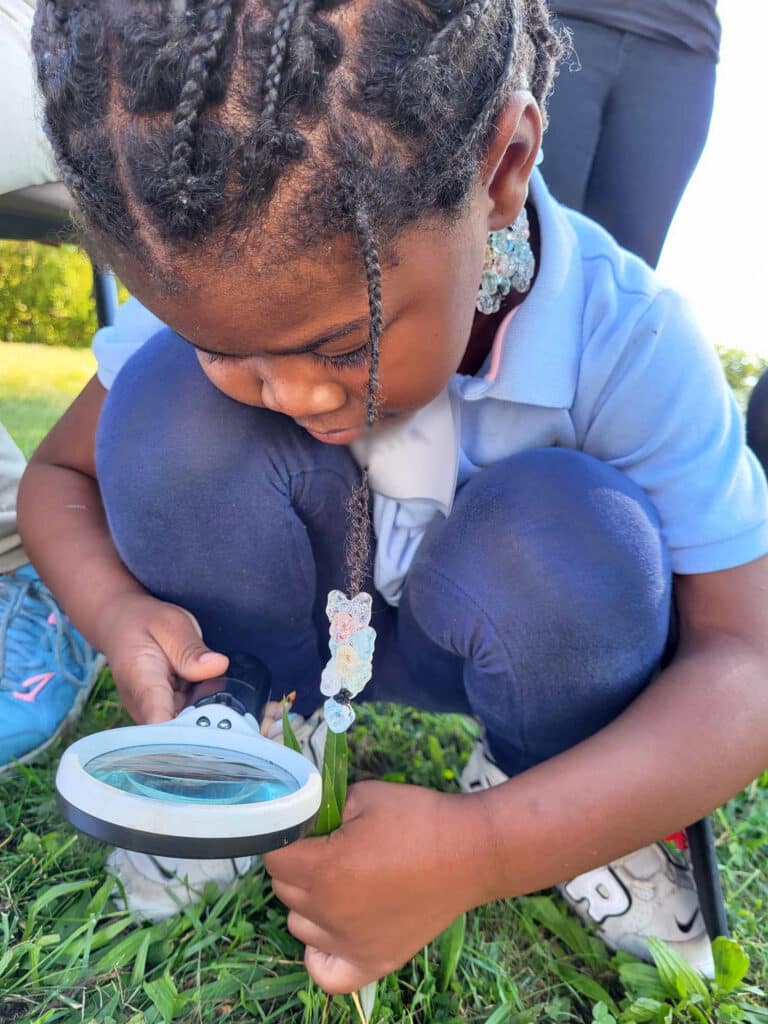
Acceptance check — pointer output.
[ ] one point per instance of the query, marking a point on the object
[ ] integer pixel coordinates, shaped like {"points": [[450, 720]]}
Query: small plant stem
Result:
{"points": [[359, 1008]]}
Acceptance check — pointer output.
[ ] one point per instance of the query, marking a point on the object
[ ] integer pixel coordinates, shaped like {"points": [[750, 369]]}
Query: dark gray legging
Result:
{"points": [[626, 131]]}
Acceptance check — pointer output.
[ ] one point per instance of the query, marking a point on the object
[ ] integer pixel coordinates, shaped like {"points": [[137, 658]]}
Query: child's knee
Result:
{"points": [[554, 540]]}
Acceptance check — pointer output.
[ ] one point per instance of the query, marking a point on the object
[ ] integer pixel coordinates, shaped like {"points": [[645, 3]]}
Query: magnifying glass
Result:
{"points": [[205, 785]]}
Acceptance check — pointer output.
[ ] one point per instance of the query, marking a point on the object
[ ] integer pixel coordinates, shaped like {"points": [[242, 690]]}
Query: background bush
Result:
{"points": [[46, 295]]}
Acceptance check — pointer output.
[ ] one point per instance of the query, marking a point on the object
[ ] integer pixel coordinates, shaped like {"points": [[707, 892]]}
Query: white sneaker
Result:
{"points": [[650, 892], [310, 732], [156, 888]]}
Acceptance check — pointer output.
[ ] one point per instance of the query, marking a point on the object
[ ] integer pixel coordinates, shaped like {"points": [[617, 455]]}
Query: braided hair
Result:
{"points": [[175, 122]]}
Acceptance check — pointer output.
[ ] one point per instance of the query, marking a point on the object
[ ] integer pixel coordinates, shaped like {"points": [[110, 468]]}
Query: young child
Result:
{"points": [[307, 193]]}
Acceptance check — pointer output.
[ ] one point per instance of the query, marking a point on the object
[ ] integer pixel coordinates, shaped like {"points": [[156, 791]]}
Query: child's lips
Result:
{"points": [[347, 435]]}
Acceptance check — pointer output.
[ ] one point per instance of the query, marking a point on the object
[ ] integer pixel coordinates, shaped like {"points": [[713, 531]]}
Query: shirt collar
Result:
{"points": [[535, 361]]}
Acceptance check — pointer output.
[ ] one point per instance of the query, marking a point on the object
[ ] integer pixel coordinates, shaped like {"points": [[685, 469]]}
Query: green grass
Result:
{"points": [[37, 383], [67, 955]]}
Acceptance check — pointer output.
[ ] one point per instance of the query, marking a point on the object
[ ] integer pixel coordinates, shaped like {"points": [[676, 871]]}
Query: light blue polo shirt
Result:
{"points": [[601, 358]]}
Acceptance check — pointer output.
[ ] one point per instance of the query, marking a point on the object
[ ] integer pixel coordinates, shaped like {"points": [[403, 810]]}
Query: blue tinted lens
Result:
{"points": [[192, 774]]}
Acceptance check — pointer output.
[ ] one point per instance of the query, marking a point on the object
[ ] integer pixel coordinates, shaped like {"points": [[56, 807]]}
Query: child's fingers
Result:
{"points": [[308, 932], [149, 696], [334, 974], [178, 634]]}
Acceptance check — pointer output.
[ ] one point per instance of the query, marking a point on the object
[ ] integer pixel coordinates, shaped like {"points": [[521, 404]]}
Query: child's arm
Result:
{"points": [[147, 642], [406, 862]]}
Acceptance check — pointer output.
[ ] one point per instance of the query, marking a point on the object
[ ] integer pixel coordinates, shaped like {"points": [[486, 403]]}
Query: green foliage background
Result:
{"points": [[46, 295]]}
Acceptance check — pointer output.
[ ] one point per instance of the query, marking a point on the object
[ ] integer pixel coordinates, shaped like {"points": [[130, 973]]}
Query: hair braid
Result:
{"points": [[358, 547], [205, 52], [462, 24], [284, 20], [372, 265]]}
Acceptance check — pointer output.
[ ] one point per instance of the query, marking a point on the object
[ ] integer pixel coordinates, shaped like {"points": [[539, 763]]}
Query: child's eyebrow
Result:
{"points": [[342, 331]]}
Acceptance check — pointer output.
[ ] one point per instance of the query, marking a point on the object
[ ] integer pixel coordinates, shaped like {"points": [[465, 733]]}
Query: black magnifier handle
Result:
{"points": [[245, 688]]}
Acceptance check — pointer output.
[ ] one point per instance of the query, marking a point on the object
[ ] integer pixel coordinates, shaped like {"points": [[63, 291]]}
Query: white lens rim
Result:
{"points": [[214, 823]]}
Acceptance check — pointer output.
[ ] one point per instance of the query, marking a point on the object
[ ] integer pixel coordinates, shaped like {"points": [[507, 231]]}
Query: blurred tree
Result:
{"points": [[46, 294]]}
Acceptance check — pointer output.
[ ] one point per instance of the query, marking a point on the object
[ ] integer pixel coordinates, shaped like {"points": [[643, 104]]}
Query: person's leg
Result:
{"points": [[547, 593], [757, 421], [232, 512], [576, 109], [548, 590], [654, 129]]}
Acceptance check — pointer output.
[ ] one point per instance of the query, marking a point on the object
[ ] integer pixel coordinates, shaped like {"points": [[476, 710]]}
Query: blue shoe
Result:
{"points": [[47, 669]]}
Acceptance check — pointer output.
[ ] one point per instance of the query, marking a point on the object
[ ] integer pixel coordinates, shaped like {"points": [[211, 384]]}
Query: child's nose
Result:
{"points": [[300, 400]]}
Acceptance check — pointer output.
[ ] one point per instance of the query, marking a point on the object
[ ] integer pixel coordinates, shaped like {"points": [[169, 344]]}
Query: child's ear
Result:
{"points": [[511, 157]]}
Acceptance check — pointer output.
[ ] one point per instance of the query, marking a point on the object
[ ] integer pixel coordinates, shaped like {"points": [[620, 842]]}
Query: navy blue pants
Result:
{"points": [[626, 131], [541, 604]]}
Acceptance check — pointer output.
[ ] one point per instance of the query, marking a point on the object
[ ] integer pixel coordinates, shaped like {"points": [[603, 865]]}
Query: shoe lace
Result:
{"points": [[25, 605]]}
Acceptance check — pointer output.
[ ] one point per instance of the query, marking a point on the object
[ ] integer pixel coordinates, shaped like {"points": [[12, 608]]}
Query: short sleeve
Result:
{"points": [[653, 402], [113, 346]]}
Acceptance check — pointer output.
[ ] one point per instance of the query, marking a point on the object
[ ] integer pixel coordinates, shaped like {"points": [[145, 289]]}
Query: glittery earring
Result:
{"points": [[509, 264]]}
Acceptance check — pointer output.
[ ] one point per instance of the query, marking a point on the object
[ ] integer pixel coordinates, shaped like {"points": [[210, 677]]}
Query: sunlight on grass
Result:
{"points": [[37, 383]]}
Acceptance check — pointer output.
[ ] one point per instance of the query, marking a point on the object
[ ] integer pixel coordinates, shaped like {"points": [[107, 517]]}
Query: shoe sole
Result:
{"points": [[67, 722]]}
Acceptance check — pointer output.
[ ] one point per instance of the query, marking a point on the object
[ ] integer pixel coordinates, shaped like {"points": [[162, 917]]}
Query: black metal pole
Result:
{"points": [[105, 294], [701, 843]]}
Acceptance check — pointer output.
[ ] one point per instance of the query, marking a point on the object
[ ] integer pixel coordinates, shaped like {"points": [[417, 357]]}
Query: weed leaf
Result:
{"points": [[450, 944], [731, 963], [678, 977]]}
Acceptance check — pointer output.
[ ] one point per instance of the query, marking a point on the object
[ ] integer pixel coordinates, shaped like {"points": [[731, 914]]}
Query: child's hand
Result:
{"points": [[155, 651], [405, 863]]}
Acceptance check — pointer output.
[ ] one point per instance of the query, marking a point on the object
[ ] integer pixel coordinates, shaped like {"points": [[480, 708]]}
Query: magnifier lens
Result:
{"points": [[182, 773]]}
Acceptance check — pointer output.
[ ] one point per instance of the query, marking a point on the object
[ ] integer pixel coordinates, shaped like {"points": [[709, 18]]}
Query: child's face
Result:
{"points": [[255, 326], [292, 335]]}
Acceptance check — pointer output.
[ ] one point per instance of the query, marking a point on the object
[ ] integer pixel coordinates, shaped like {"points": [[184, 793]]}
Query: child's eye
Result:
{"points": [[219, 357], [357, 357]]}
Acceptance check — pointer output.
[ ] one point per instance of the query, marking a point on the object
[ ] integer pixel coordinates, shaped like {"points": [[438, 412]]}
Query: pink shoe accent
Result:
{"points": [[38, 682], [52, 619]]}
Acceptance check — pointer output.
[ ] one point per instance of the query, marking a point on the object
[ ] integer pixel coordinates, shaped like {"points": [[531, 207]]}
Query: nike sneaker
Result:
{"points": [[650, 892], [47, 669]]}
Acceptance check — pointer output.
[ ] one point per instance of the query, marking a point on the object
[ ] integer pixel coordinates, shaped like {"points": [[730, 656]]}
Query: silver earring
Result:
{"points": [[509, 264]]}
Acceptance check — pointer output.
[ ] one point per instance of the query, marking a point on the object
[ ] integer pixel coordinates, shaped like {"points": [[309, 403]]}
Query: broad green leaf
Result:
{"points": [[505, 1014], [642, 980], [731, 963], [334, 775], [165, 997], [585, 985], [602, 1015], [678, 977], [450, 945], [753, 1014], [643, 1011]]}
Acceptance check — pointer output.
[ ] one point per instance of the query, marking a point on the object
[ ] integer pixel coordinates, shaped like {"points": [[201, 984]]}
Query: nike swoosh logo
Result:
{"points": [[685, 926], [37, 682]]}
